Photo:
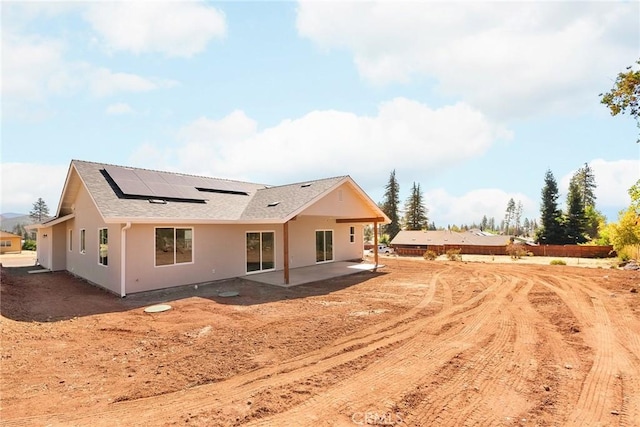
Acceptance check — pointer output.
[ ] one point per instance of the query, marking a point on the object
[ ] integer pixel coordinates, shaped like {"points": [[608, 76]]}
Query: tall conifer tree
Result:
{"points": [[391, 205]]}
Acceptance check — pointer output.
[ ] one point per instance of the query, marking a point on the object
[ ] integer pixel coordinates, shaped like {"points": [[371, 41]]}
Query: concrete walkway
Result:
{"points": [[313, 273]]}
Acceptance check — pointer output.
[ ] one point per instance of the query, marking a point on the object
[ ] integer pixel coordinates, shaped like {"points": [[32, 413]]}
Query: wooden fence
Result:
{"points": [[571, 251]]}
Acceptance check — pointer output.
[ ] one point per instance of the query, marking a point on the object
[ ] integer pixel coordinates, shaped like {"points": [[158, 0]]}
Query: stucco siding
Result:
{"points": [[218, 253], [343, 201], [87, 264]]}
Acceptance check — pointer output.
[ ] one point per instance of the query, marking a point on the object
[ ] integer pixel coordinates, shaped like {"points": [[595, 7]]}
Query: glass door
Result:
{"points": [[261, 251]]}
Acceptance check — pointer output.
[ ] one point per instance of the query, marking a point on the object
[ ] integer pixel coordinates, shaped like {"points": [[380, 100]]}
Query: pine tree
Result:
{"points": [[415, 211], [575, 222], [517, 218], [551, 230], [586, 182], [390, 205], [509, 214], [40, 211]]}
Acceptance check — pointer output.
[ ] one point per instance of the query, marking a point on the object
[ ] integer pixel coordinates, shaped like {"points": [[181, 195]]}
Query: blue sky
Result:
{"points": [[472, 100]]}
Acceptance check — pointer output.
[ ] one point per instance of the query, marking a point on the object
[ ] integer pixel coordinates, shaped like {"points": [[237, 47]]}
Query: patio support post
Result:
{"points": [[285, 235], [375, 242]]}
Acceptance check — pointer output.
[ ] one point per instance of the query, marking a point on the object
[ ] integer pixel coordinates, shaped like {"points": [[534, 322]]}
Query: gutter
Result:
{"points": [[123, 259]]}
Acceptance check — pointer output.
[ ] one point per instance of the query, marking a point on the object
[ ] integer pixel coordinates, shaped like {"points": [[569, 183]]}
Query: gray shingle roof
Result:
{"points": [[253, 206]]}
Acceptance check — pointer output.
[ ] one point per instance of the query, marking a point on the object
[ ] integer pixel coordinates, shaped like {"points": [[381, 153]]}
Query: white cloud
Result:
{"points": [[34, 68], [119, 108], [325, 143], [173, 28], [23, 183], [510, 59], [445, 208], [613, 179]]}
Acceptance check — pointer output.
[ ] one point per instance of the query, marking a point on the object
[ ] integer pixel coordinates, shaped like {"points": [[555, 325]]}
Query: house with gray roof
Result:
{"points": [[416, 242], [131, 230]]}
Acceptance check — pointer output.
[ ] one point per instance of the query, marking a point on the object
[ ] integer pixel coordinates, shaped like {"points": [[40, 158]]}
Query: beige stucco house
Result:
{"points": [[130, 230], [10, 243]]}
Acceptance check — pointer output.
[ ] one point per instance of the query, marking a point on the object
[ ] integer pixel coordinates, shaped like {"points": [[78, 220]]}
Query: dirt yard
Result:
{"points": [[416, 344]]}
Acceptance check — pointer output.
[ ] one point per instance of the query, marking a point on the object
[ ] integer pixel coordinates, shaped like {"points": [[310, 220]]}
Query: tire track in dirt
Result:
{"points": [[396, 372], [602, 395], [365, 341]]}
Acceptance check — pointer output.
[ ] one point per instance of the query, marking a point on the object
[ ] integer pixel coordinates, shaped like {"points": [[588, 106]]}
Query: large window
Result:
{"points": [[5, 243], [174, 245], [103, 247], [83, 247], [260, 251], [324, 245]]}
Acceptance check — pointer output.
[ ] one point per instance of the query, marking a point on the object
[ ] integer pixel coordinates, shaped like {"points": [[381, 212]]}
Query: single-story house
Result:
{"points": [[131, 230], [10, 243], [416, 242]]}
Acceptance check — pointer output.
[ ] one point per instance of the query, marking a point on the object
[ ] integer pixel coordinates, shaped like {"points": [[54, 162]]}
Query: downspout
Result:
{"points": [[123, 259]]}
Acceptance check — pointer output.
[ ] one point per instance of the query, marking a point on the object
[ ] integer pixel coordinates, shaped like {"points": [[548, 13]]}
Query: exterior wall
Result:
{"points": [[58, 252], [44, 237], [15, 245], [341, 202], [86, 264], [219, 252], [302, 240]]}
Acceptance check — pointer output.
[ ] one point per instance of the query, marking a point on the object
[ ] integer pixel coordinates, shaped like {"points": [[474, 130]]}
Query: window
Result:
{"points": [[70, 240], [5, 243], [324, 245], [260, 251], [103, 246], [174, 245], [83, 248], [352, 234]]}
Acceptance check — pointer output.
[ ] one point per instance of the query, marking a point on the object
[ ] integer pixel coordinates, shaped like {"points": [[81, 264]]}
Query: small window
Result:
{"points": [[83, 248], [70, 240], [352, 234], [103, 246]]}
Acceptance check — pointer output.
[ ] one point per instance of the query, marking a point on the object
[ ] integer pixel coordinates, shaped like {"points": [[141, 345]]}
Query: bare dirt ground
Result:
{"points": [[416, 344]]}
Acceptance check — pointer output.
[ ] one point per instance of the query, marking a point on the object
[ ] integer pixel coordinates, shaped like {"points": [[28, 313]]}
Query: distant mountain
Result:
{"points": [[8, 221]]}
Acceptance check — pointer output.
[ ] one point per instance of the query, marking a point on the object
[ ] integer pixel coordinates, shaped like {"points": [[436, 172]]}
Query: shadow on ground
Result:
{"points": [[51, 297]]}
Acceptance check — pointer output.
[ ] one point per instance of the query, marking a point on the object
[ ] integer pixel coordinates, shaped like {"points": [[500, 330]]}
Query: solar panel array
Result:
{"points": [[165, 185]]}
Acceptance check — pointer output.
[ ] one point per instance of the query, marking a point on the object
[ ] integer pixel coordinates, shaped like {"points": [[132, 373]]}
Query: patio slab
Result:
{"points": [[313, 273]]}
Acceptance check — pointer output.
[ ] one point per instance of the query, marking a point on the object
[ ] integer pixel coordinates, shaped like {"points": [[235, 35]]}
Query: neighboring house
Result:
{"points": [[413, 242], [10, 243], [131, 230]]}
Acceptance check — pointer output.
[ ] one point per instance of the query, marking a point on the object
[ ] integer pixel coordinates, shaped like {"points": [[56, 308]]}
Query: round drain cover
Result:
{"points": [[228, 294], [157, 308]]}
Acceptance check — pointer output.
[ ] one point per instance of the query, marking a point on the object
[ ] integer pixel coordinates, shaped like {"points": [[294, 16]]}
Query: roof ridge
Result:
{"points": [[165, 171], [310, 181]]}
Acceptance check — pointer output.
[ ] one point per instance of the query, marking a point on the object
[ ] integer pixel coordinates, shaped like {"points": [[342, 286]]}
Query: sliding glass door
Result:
{"points": [[324, 245], [261, 254]]}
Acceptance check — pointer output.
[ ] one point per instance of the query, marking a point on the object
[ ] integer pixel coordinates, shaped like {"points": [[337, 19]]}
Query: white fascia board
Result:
{"points": [[123, 220]]}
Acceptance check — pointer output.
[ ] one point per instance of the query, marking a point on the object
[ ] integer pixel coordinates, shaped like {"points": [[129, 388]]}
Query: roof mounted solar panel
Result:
{"points": [[150, 184]]}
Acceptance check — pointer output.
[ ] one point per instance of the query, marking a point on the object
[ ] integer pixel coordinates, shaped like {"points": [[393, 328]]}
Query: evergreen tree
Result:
{"points": [[484, 223], [509, 214], [527, 227], [415, 212], [40, 211], [586, 182], [390, 205], [517, 218], [551, 230], [575, 223]]}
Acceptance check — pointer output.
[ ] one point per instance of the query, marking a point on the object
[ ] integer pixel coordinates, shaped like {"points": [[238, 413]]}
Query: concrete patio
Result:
{"points": [[313, 273]]}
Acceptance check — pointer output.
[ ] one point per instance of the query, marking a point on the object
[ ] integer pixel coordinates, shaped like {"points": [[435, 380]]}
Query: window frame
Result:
{"points": [[82, 241], [104, 263], [275, 253], [70, 239], [324, 239], [175, 262], [352, 234]]}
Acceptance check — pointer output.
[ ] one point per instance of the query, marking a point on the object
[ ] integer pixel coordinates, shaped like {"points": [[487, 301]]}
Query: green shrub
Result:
{"points": [[29, 245], [557, 262], [454, 255], [430, 255]]}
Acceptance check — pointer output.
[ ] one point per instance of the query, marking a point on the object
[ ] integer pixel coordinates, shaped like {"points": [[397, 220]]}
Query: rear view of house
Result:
{"points": [[131, 230]]}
